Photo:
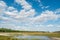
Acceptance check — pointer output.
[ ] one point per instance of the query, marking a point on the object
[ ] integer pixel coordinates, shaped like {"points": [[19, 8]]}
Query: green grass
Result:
{"points": [[7, 38], [34, 34], [48, 34], [10, 38]]}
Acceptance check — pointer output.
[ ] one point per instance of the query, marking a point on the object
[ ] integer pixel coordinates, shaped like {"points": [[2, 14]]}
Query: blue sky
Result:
{"points": [[30, 15]]}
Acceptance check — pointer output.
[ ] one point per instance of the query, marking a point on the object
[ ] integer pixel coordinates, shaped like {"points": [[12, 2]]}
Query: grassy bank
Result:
{"points": [[7, 38], [46, 34], [36, 33], [24, 33], [33, 34], [27, 33], [10, 38]]}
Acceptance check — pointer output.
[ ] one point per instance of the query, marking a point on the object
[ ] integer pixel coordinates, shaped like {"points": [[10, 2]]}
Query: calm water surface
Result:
{"points": [[33, 37]]}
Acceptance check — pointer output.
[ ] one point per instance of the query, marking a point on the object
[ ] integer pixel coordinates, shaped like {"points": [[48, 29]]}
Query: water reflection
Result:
{"points": [[33, 37]]}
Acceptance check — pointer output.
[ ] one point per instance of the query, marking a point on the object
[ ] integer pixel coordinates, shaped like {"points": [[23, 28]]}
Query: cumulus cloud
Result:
{"points": [[25, 19], [23, 13], [45, 16], [10, 8], [11, 11], [57, 11], [27, 10], [24, 4], [2, 6]]}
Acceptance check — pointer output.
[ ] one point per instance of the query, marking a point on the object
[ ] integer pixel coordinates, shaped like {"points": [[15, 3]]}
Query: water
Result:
{"points": [[33, 37]]}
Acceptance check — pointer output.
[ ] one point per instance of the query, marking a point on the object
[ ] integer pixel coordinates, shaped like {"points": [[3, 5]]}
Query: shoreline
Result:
{"points": [[55, 38], [12, 34]]}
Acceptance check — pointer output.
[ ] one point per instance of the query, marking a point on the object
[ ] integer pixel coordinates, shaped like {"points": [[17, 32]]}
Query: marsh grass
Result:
{"points": [[31, 34], [10, 38], [7, 38]]}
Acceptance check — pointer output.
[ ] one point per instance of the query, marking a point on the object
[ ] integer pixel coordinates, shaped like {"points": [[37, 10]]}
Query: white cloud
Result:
{"points": [[3, 18], [25, 18], [11, 11], [9, 26], [2, 6], [57, 11], [50, 25], [29, 13], [12, 14], [24, 4], [10, 8], [50, 15], [45, 16], [27, 10]]}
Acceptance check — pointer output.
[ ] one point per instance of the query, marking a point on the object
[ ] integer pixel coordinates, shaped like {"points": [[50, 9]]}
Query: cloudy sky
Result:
{"points": [[30, 15]]}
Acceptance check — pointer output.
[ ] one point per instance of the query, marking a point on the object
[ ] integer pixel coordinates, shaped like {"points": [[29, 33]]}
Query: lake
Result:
{"points": [[33, 37]]}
